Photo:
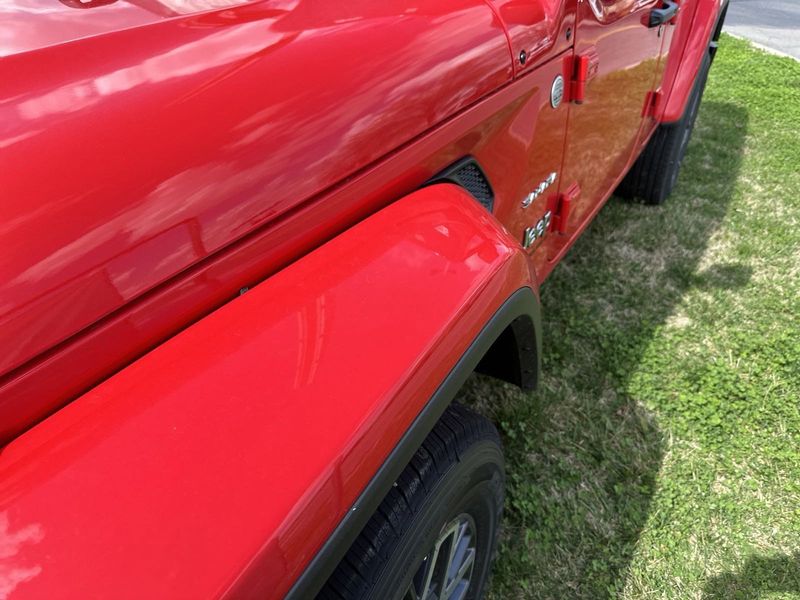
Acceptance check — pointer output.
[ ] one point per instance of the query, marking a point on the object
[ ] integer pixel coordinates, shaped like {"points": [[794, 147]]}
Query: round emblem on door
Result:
{"points": [[557, 91]]}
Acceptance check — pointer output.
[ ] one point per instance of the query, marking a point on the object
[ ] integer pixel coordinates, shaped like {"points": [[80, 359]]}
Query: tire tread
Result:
{"points": [[457, 429]]}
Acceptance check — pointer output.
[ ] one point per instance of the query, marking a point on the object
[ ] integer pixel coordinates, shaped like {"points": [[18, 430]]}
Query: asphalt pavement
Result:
{"points": [[773, 24]]}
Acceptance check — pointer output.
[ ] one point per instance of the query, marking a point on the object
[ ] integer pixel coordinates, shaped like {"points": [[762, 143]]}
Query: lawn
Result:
{"points": [[660, 457]]}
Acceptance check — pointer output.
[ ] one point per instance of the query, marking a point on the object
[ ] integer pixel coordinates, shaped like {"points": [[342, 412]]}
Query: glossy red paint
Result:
{"points": [[693, 30], [604, 128], [145, 151], [174, 153], [675, 66], [229, 453], [536, 27], [159, 155]]}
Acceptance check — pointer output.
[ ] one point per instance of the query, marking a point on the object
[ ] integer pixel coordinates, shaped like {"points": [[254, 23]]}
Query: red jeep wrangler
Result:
{"points": [[252, 249]]}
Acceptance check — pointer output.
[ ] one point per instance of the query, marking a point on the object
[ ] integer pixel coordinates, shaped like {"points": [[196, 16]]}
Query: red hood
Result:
{"points": [[30, 24]]}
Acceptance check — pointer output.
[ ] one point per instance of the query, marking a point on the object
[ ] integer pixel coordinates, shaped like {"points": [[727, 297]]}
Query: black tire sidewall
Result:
{"points": [[686, 125], [473, 485]]}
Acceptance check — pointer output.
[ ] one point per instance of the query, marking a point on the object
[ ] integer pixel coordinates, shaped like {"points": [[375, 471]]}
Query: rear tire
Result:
{"points": [[450, 494], [655, 172]]}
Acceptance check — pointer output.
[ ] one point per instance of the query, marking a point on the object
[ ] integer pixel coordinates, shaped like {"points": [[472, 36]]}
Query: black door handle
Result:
{"points": [[659, 16]]}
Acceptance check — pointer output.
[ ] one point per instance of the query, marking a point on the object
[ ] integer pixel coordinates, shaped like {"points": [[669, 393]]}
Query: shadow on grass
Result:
{"points": [[760, 575], [582, 454], [724, 277]]}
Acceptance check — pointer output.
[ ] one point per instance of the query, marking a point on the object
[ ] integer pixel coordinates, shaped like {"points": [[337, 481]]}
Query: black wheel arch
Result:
{"points": [[511, 334]]}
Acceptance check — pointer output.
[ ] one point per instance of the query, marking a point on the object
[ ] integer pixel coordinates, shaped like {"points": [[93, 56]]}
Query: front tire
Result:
{"points": [[436, 531]]}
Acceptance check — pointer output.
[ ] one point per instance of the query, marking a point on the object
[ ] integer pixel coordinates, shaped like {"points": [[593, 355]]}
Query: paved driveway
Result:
{"points": [[771, 23]]}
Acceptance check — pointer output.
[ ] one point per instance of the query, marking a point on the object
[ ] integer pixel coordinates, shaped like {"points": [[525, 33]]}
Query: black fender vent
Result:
{"points": [[468, 174]]}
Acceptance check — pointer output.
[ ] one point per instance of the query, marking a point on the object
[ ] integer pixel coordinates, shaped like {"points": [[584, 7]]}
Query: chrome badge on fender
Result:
{"points": [[528, 200], [536, 232]]}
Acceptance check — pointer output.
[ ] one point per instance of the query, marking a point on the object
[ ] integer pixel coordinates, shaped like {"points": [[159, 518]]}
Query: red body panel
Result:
{"points": [[143, 152], [253, 431], [604, 128], [185, 156], [695, 25], [159, 155], [537, 28]]}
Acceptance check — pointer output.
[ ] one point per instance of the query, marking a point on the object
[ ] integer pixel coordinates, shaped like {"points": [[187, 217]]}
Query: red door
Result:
{"points": [[623, 54]]}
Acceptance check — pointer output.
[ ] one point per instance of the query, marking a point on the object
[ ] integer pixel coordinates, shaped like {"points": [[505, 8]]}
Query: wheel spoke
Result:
{"points": [[446, 571], [462, 574], [451, 536], [465, 571], [430, 571], [460, 548], [411, 593]]}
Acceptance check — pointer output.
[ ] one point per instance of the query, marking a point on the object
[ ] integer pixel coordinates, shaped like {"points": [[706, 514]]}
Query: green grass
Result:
{"points": [[660, 457]]}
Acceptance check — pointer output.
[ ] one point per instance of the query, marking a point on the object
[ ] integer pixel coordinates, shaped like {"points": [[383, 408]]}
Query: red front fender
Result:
{"points": [[223, 460]]}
